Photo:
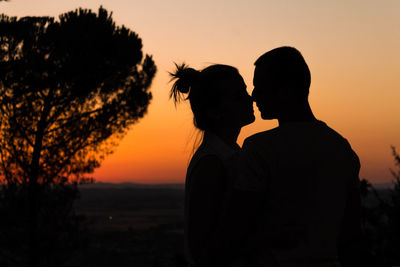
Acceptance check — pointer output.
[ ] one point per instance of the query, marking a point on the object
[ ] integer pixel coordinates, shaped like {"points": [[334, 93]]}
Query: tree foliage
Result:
{"points": [[69, 90], [66, 88]]}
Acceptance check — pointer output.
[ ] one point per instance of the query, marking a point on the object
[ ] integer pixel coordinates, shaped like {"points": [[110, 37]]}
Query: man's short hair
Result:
{"points": [[288, 66]]}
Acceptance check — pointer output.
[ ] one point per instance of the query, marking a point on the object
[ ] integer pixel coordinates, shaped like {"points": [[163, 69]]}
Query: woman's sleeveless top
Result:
{"points": [[211, 145]]}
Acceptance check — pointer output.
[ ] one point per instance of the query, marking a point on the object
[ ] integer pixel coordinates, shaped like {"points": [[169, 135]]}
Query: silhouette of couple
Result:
{"points": [[290, 195]]}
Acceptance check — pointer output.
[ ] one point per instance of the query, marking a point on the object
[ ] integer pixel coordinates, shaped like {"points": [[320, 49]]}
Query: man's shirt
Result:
{"points": [[306, 172]]}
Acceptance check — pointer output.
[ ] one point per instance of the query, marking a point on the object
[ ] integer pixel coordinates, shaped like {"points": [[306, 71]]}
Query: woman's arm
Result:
{"points": [[206, 192]]}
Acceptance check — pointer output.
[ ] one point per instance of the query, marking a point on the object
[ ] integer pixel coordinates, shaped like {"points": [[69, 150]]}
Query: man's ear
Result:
{"points": [[285, 92], [213, 113]]}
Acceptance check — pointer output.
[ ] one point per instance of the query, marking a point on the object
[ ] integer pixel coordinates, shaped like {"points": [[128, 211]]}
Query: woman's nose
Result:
{"points": [[249, 98], [253, 96]]}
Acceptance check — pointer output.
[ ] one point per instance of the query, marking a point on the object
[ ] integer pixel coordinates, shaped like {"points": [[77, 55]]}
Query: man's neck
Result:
{"points": [[298, 114]]}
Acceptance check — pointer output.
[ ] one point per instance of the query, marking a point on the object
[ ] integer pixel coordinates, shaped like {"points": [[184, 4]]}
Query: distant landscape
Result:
{"points": [[131, 225], [137, 225]]}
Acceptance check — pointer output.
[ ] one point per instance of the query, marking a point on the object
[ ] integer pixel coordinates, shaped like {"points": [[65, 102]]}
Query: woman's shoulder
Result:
{"points": [[207, 172], [209, 164], [205, 155]]}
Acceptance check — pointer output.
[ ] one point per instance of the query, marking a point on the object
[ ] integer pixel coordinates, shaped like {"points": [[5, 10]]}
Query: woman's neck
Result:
{"points": [[228, 135]]}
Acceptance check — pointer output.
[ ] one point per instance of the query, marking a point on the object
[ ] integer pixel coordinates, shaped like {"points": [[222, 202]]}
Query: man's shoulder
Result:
{"points": [[336, 135], [262, 137], [341, 142]]}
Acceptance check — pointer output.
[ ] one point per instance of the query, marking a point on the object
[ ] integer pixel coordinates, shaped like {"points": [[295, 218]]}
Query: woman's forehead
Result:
{"points": [[236, 81]]}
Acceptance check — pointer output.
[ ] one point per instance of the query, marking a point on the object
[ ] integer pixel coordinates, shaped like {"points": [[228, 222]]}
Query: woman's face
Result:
{"points": [[236, 105]]}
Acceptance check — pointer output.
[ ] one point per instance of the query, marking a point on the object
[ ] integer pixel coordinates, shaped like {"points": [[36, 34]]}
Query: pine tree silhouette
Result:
{"points": [[69, 90]]}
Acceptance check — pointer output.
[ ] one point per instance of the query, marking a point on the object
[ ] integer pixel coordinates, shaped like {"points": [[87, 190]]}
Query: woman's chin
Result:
{"points": [[253, 119], [249, 120]]}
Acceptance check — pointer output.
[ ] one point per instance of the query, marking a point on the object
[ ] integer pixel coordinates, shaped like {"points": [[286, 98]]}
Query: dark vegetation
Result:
{"points": [[69, 90], [381, 221]]}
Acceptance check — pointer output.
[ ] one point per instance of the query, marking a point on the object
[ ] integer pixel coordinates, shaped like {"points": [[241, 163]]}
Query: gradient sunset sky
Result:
{"points": [[351, 47]]}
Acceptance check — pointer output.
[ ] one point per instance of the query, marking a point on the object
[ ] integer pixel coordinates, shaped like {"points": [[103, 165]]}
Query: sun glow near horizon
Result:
{"points": [[352, 50]]}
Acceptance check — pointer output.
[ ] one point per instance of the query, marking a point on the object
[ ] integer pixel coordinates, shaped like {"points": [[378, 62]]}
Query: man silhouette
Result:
{"points": [[297, 184]]}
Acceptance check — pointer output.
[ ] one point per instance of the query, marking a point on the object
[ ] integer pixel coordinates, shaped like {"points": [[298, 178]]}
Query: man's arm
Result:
{"points": [[349, 246]]}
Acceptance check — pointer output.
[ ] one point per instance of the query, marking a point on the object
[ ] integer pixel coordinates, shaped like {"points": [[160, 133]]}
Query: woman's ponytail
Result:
{"points": [[185, 78]]}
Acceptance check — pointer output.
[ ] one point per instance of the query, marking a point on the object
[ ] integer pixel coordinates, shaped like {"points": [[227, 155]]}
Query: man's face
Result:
{"points": [[266, 93]]}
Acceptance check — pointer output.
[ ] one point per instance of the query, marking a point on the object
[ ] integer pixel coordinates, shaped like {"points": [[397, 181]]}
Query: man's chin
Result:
{"points": [[267, 116]]}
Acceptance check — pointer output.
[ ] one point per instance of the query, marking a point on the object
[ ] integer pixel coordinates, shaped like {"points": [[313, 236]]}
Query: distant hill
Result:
{"points": [[177, 186], [101, 185]]}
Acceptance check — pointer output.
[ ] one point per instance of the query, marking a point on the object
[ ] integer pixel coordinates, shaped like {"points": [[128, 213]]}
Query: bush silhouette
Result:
{"points": [[381, 221]]}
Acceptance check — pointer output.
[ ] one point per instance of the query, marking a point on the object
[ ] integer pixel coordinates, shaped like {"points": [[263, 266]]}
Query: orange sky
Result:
{"points": [[352, 48]]}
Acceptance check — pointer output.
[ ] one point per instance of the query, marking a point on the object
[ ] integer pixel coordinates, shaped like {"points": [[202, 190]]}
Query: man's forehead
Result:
{"points": [[261, 72], [264, 68]]}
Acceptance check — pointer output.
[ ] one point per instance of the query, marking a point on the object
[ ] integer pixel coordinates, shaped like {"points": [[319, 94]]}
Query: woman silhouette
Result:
{"points": [[221, 106]]}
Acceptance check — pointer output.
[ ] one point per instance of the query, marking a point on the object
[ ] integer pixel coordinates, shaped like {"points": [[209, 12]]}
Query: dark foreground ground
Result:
{"points": [[131, 225]]}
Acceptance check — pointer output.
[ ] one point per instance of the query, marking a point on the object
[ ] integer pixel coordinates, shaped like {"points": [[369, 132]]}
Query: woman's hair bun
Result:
{"points": [[185, 78]]}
